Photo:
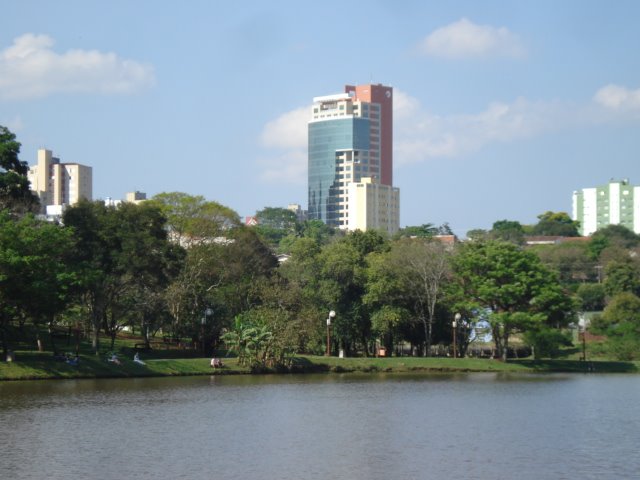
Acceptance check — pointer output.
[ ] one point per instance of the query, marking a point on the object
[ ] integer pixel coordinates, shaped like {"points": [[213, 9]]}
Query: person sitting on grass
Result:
{"points": [[73, 361], [136, 358], [114, 359], [61, 357], [216, 363]]}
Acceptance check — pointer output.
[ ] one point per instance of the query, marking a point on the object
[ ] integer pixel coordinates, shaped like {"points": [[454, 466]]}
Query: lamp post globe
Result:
{"points": [[454, 324], [332, 315]]}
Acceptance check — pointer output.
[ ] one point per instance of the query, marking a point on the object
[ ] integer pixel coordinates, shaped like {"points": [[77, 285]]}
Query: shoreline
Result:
{"points": [[39, 367]]}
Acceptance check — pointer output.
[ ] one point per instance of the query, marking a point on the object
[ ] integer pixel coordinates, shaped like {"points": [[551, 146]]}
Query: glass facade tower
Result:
{"points": [[350, 138], [330, 143]]}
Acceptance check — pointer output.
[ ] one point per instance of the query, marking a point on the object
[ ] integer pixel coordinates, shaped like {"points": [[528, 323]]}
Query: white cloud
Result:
{"points": [[30, 68], [618, 98], [465, 39], [288, 167], [289, 130], [420, 135], [425, 136], [286, 134]]}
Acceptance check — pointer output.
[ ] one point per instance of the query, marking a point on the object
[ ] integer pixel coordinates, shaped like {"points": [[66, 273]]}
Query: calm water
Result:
{"points": [[471, 426]]}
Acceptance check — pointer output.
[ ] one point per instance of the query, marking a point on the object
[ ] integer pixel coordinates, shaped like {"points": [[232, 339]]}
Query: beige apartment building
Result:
{"points": [[59, 184], [373, 206]]}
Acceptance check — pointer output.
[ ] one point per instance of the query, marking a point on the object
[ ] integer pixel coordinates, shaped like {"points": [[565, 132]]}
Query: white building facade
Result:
{"points": [[616, 203], [373, 206]]}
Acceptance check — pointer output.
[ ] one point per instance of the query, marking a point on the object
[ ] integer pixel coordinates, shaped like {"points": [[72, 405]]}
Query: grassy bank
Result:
{"points": [[35, 365]]}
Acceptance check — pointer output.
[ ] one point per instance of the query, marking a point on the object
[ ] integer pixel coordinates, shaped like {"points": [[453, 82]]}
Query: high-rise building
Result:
{"points": [[616, 203], [58, 183], [350, 138]]}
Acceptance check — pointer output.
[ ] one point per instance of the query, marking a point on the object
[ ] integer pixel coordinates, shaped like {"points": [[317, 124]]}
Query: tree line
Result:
{"points": [[186, 269]]}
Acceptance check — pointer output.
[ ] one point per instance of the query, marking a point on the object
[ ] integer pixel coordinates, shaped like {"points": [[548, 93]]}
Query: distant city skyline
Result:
{"points": [[501, 109]]}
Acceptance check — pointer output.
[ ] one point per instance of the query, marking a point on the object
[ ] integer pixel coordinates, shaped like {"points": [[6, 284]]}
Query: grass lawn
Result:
{"points": [[36, 365], [165, 361]]}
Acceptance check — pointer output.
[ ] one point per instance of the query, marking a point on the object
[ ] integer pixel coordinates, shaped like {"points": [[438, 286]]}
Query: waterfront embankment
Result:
{"points": [[34, 365]]}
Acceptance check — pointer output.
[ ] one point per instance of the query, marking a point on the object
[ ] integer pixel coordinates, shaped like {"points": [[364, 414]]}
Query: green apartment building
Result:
{"points": [[616, 203]]}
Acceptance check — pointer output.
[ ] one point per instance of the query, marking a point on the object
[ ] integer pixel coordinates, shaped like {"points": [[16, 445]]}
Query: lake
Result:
{"points": [[401, 426]]}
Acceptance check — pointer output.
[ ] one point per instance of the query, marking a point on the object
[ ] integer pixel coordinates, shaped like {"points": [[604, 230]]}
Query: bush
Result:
{"points": [[546, 343]]}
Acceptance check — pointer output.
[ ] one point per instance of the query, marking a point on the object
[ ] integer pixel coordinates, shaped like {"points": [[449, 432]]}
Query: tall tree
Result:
{"points": [[508, 231], [15, 193], [612, 236], [192, 220], [274, 224], [555, 224], [621, 277], [620, 321], [591, 297], [412, 275], [513, 285], [34, 271], [571, 261], [120, 253]]}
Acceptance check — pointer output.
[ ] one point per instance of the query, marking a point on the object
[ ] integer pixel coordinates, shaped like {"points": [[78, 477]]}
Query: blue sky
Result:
{"points": [[502, 108]]}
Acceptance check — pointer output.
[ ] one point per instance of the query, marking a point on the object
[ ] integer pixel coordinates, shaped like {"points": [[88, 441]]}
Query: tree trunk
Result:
{"points": [[5, 343], [497, 340], [425, 348], [505, 345]]}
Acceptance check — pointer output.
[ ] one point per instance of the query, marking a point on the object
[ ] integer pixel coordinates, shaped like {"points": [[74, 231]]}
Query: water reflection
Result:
{"points": [[472, 426]]}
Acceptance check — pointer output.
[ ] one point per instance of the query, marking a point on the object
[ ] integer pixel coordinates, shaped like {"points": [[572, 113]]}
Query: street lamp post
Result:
{"points": [[203, 321], [331, 316], [454, 324]]}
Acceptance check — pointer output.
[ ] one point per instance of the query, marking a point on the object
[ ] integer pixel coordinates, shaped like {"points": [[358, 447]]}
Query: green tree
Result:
{"points": [[386, 324], [341, 286], [621, 277], [220, 274], [426, 230], [15, 193], [412, 275], [612, 236], [520, 293], [547, 342], [477, 235], [507, 231], [556, 224], [620, 321], [571, 261], [318, 231], [591, 296], [121, 255], [146, 263], [34, 271], [250, 340], [274, 224], [191, 219]]}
